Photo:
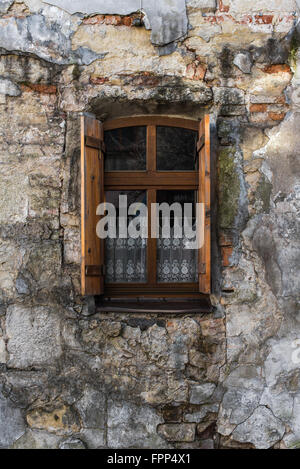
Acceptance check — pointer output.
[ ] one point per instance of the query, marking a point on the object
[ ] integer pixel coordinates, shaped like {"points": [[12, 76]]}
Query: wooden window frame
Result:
{"points": [[152, 180]]}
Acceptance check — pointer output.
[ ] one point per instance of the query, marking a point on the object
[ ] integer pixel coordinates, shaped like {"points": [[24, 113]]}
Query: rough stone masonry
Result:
{"points": [[73, 378]]}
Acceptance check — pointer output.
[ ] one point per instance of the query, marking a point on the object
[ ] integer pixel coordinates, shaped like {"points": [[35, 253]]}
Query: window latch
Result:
{"points": [[94, 270]]}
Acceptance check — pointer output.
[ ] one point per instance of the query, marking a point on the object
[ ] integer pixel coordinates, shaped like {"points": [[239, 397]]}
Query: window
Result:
{"points": [[145, 160]]}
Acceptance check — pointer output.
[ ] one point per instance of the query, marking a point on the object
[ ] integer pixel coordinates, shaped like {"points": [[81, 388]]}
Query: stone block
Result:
{"points": [[184, 432], [243, 61], [12, 425], [262, 429], [201, 393], [61, 420], [33, 336], [91, 408], [93, 437], [37, 439], [132, 426], [9, 88], [2, 350], [228, 96], [72, 443]]}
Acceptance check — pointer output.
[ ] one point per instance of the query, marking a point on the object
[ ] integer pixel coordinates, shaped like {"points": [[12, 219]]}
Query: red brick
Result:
{"points": [[200, 72], [281, 100], [263, 19], [196, 71], [114, 20], [226, 252], [127, 20], [277, 68], [222, 7], [258, 108], [277, 116], [44, 89], [98, 19]]}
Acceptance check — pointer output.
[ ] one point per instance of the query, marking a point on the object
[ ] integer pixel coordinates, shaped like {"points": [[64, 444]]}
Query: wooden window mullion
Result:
{"points": [[151, 247], [151, 148], [151, 199]]}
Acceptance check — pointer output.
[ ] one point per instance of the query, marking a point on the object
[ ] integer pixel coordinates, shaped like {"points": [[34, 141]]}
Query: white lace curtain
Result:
{"points": [[175, 262], [126, 260]]}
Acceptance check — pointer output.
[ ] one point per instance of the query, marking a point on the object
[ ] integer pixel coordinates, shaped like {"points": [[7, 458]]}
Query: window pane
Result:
{"points": [[176, 261], [125, 258], [175, 149], [125, 149]]}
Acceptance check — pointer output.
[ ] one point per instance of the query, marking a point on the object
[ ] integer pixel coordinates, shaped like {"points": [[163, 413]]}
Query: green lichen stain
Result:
{"points": [[263, 194], [293, 52], [295, 445], [229, 188]]}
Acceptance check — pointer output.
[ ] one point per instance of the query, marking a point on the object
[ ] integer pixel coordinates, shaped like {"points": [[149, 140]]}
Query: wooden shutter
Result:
{"points": [[204, 255], [92, 194]]}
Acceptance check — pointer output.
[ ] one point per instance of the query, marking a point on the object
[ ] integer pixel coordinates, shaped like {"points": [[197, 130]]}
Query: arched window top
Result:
{"points": [[151, 120], [155, 143]]}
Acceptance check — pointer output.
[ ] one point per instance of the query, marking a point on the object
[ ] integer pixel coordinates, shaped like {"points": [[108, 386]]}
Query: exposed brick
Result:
{"points": [[98, 19], [115, 20], [196, 71], [277, 116], [277, 68], [263, 19], [127, 20], [226, 252], [281, 100], [44, 89], [258, 108], [223, 8], [200, 72]]}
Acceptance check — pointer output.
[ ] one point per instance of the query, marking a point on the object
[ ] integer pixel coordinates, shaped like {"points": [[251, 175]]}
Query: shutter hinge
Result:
{"points": [[94, 142], [95, 270]]}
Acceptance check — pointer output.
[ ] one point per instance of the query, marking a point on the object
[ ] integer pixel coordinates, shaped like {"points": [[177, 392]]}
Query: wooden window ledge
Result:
{"points": [[201, 305]]}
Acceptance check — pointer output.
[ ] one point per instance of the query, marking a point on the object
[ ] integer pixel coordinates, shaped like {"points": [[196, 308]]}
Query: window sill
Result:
{"points": [[160, 305]]}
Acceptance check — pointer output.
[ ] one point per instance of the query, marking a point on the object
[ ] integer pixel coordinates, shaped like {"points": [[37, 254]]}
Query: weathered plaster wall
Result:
{"points": [[72, 378]]}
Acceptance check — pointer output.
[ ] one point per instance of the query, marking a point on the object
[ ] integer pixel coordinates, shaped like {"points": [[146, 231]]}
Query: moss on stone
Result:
{"points": [[229, 188], [294, 51], [263, 194]]}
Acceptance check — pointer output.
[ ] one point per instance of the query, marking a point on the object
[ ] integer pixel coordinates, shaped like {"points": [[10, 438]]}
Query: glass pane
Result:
{"points": [[125, 149], [126, 258], [176, 261], [175, 149]]}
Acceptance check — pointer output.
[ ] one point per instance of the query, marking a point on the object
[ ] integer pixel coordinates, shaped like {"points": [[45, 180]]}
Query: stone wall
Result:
{"points": [[70, 377]]}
